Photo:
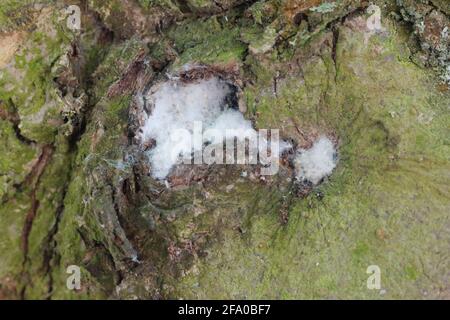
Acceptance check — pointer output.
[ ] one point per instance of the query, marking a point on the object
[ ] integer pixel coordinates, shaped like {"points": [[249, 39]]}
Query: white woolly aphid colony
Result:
{"points": [[178, 105], [316, 163]]}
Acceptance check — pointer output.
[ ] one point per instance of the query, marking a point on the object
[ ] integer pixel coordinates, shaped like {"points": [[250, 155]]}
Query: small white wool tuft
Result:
{"points": [[317, 162]]}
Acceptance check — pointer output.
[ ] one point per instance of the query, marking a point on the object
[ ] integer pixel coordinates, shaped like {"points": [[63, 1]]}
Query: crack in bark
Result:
{"points": [[34, 178], [11, 114], [50, 242], [99, 246], [335, 31]]}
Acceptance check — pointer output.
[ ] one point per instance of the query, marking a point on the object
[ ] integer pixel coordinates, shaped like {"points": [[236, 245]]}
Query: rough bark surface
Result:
{"points": [[75, 187]]}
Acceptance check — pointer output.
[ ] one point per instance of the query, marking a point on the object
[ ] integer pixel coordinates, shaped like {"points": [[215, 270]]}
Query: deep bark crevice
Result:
{"points": [[34, 179]]}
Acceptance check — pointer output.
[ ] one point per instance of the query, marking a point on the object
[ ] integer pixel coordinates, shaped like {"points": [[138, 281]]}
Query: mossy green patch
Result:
{"points": [[207, 41], [12, 218], [379, 107], [16, 14], [113, 64], [167, 4], [29, 84], [16, 159]]}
